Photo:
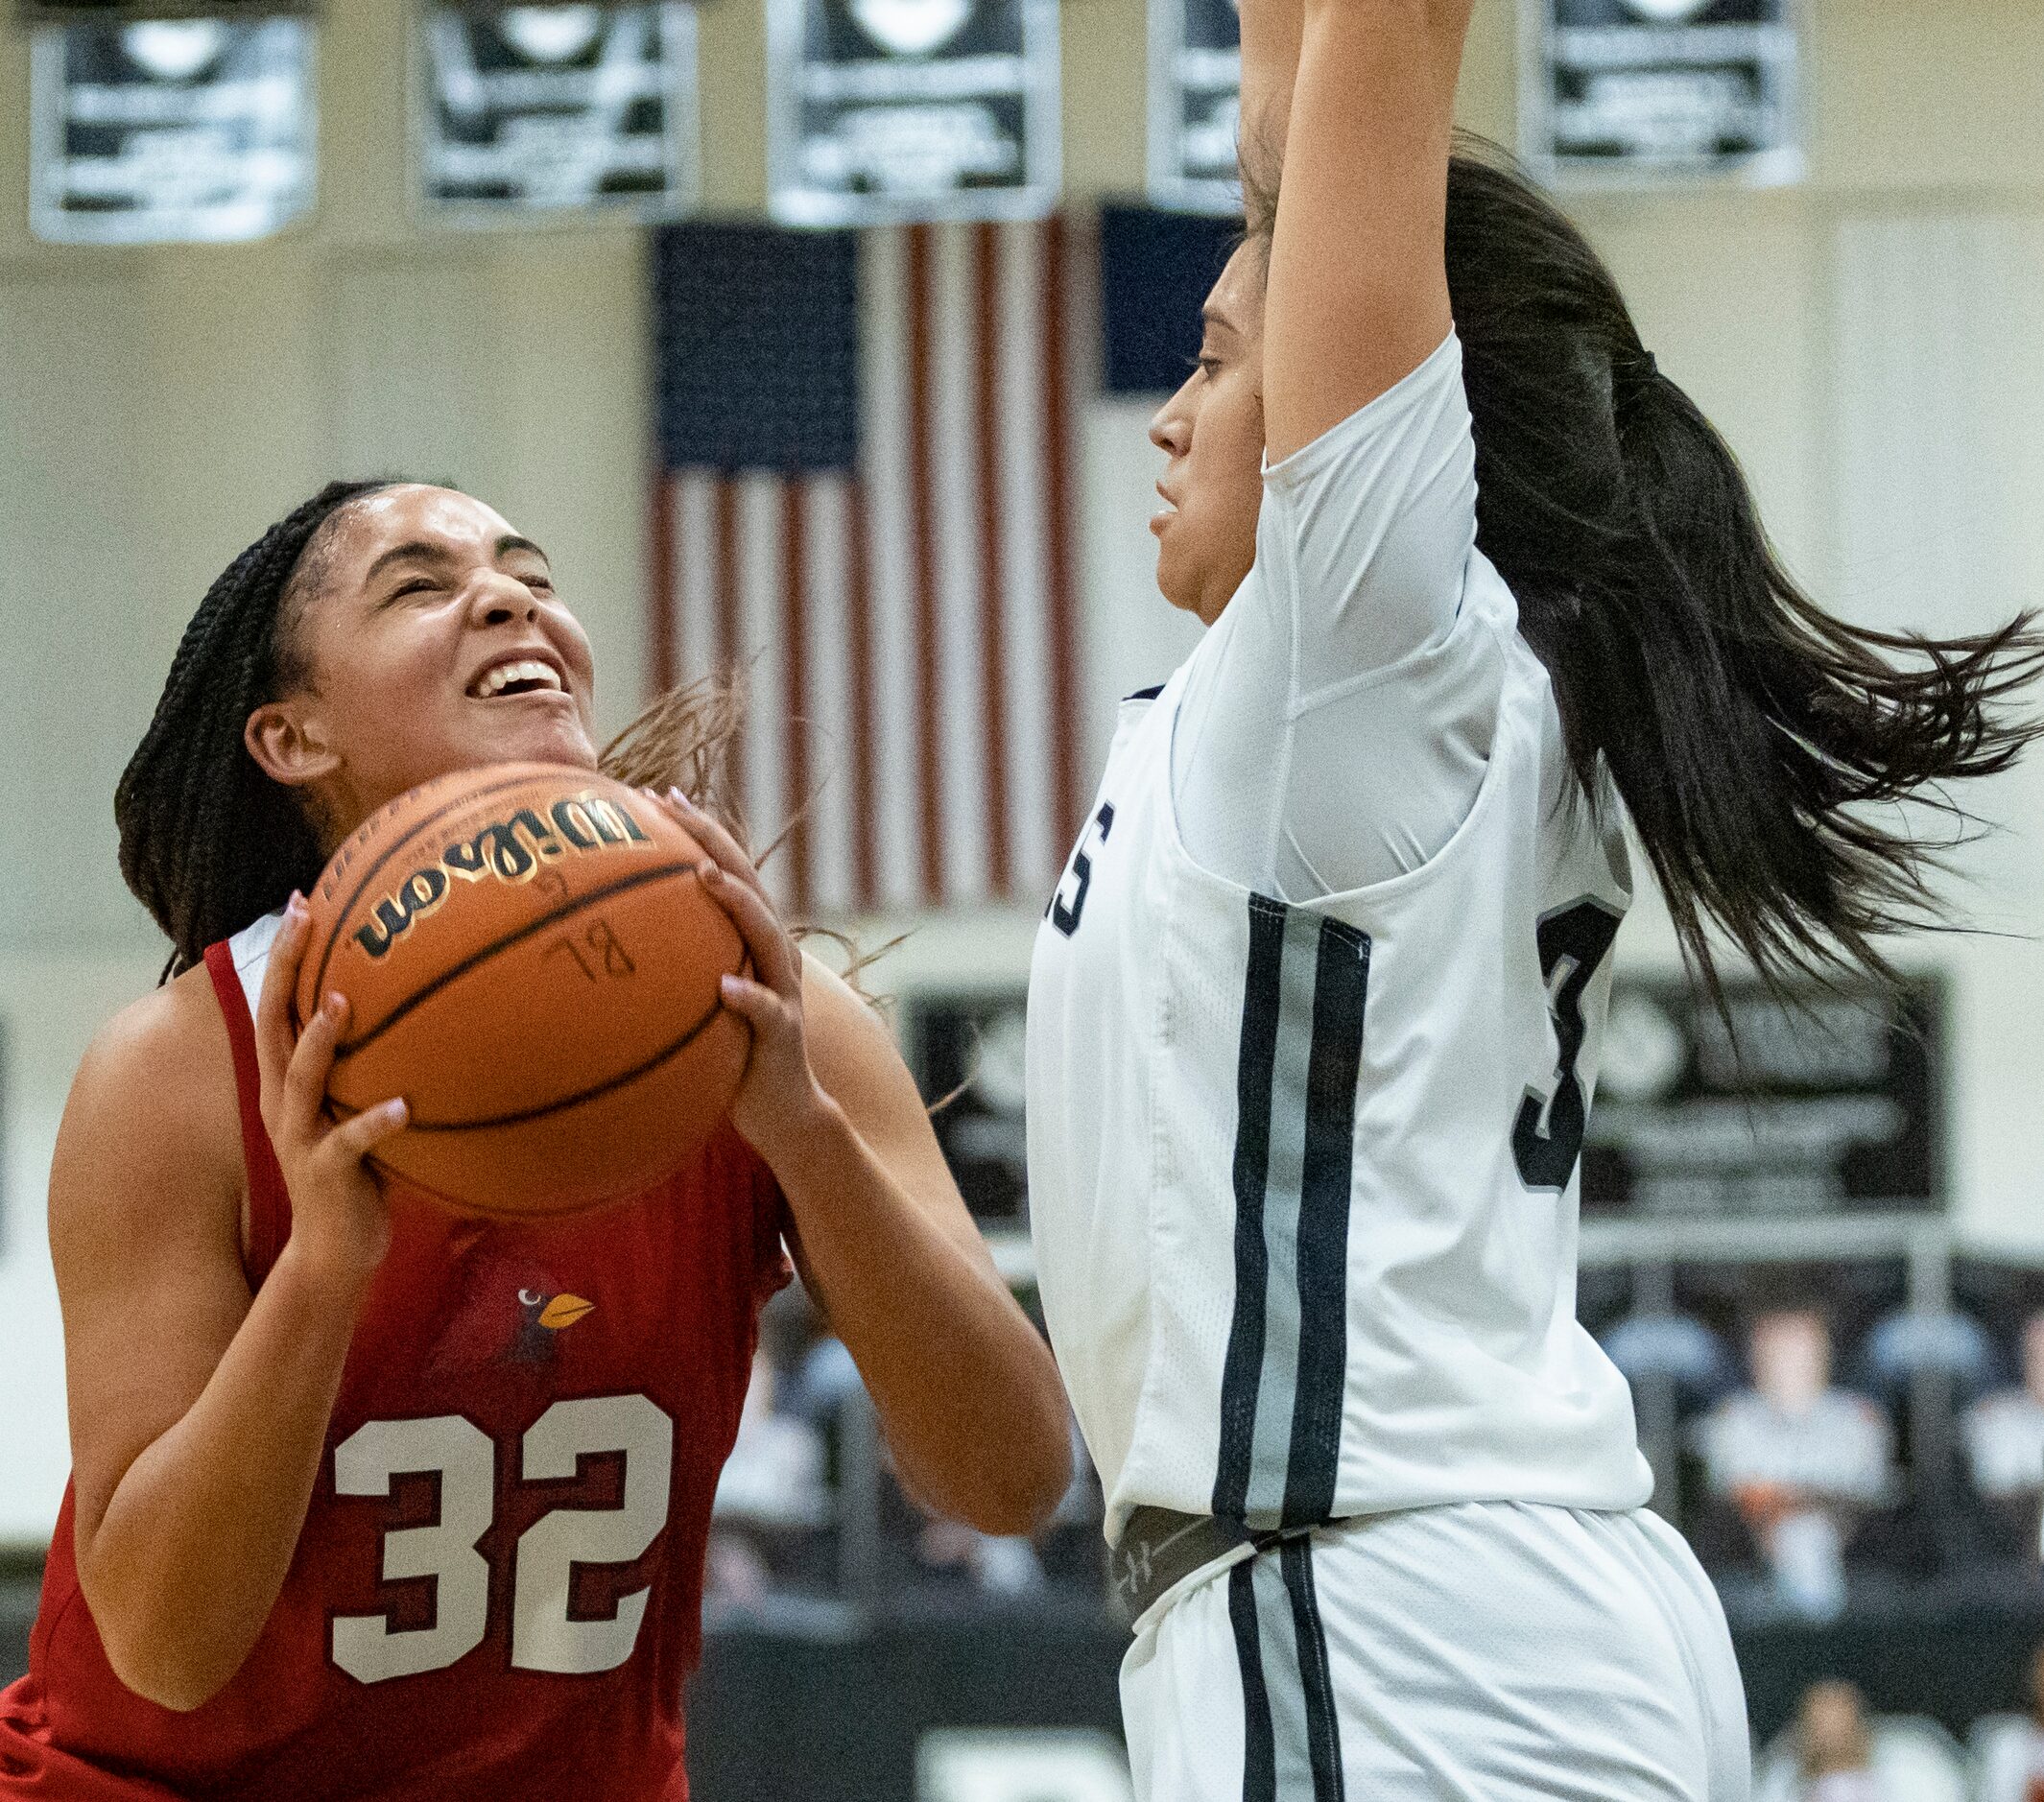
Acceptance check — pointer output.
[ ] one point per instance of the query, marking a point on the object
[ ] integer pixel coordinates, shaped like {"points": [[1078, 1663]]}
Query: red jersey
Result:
{"points": [[497, 1590]]}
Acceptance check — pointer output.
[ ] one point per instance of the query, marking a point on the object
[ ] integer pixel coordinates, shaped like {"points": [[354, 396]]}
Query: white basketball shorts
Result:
{"points": [[1488, 1651]]}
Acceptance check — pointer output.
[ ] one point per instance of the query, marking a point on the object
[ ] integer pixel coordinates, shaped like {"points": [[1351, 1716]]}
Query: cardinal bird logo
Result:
{"points": [[540, 1318], [505, 1316]]}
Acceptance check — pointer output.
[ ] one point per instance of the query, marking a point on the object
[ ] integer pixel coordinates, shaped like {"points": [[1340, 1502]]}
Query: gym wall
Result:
{"points": [[1871, 341]]}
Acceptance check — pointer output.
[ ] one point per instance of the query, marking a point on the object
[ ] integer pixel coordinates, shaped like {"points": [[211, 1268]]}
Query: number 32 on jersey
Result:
{"points": [[543, 1636]]}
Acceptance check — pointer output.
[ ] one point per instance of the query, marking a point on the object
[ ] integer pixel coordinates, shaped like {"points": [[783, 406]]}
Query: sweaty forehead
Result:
{"points": [[412, 512], [1236, 298]]}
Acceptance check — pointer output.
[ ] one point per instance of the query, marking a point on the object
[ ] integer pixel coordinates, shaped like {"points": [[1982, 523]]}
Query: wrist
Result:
{"points": [[807, 1130], [327, 1279]]}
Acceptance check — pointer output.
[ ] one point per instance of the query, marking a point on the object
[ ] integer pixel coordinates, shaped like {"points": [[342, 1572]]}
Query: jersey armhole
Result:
{"points": [[269, 1200], [773, 1226]]}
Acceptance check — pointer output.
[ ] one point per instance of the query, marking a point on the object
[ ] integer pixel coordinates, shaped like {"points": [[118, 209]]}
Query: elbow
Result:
{"points": [[156, 1661], [1033, 1470], [163, 1675], [1017, 1516], [176, 1690]]}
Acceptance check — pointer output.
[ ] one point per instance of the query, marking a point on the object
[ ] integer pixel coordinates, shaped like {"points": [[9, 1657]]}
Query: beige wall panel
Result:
{"points": [[413, 365], [1107, 82], [14, 239], [1926, 94], [1938, 387], [364, 122], [1727, 290], [230, 415], [731, 46], [88, 626], [1487, 100], [573, 426]]}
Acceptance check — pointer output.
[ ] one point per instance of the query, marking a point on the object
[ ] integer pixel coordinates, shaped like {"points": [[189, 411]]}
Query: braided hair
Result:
{"points": [[209, 841]]}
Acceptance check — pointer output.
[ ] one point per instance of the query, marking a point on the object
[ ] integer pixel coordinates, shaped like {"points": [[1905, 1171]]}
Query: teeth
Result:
{"points": [[501, 677]]}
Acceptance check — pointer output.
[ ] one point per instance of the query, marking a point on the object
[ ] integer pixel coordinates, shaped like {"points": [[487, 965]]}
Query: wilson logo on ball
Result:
{"points": [[508, 850]]}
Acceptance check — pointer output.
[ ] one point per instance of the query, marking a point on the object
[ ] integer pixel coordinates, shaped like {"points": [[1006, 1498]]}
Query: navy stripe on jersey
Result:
{"points": [[1304, 990], [1340, 987], [1323, 1732], [1259, 1753], [1291, 1735], [1254, 1064]]}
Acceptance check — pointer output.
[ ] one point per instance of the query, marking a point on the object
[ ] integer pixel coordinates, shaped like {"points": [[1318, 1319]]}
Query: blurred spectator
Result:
{"points": [[2005, 1438], [1834, 1746], [995, 1567], [1834, 1753], [775, 1474], [771, 1487], [1910, 1342], [824, 1380], [2008, 1750], [1798, 1459], [1671, 1349]]}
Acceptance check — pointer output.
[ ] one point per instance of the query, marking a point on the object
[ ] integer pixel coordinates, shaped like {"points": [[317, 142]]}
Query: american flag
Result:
{"points": [[864, 504]]}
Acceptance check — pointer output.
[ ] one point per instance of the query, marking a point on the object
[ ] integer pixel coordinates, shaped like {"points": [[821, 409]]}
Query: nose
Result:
{"points": [[1171, 425], [499, 600]]}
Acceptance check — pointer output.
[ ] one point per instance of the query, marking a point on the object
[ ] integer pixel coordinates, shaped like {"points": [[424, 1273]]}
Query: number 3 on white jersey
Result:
{"points": [[543, 1638]]}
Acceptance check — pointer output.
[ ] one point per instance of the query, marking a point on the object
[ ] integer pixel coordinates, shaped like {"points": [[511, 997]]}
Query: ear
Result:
{"points": [[288, 742]]}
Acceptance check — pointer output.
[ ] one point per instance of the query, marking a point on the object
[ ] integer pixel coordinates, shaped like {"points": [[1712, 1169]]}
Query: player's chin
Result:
{"points": [[1178, 576], [533, 729]]}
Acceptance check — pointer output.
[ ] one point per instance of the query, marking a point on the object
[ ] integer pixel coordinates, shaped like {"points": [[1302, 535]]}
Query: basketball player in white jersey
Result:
{"points": [[1315, 1013]]}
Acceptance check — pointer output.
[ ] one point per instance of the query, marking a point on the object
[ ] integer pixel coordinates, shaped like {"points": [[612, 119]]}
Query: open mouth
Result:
{"points": [[519, 676]]}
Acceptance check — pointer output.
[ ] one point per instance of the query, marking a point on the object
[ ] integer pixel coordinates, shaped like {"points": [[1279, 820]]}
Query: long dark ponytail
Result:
{"points": [[1758, 742]]}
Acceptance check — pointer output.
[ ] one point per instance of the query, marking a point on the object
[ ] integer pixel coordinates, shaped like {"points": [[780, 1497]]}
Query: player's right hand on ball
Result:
{"points": [[339, 1224]]}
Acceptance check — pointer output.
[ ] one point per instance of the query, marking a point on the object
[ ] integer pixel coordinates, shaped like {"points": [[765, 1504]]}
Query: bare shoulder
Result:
{"points": [[150, 1146]]}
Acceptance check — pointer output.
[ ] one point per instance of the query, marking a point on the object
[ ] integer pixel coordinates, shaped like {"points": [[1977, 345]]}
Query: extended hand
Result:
{"points": [[339, 1222]]}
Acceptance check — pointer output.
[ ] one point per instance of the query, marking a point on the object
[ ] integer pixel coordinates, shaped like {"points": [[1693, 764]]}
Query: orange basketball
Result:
{"points": [[531, 961]]}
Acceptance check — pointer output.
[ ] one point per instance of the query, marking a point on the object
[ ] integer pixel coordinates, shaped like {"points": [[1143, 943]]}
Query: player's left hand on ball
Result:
{"points": [[779, 1096]]}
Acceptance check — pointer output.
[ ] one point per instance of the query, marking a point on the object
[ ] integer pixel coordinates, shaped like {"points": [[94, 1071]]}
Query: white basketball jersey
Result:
{"points": [[1302, 1176]]}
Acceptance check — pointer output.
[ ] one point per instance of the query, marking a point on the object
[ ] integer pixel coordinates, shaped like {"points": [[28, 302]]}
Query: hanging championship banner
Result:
{"points": [[882, 110], [1830, 1104], [170, 130], [116, 11], [1618, 90], [555, 108], [1194, 100]]}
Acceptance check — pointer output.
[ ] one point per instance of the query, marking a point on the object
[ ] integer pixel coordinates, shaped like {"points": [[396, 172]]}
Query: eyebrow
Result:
{"points": [[420, 551], [1212, 315]]}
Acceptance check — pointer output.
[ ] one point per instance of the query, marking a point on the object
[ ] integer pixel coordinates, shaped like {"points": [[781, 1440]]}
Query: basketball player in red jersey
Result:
{"points": [[369, 1499]]}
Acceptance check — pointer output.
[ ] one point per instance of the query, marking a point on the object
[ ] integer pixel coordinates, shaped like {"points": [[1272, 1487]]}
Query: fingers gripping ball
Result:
{"points": [[529, 961]]}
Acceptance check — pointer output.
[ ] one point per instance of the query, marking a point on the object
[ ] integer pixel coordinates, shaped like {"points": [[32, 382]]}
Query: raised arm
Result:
{"points": [[1357, 296]]}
